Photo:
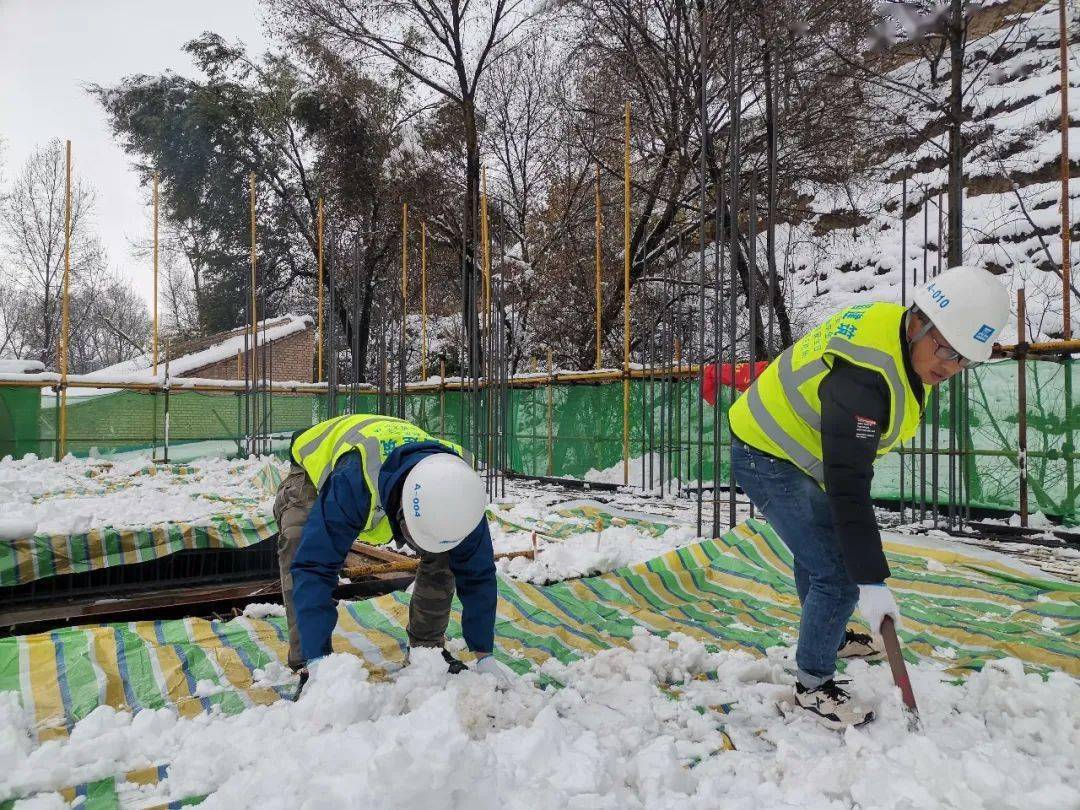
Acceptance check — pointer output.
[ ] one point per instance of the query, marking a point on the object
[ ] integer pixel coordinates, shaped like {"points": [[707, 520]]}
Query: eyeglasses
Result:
{"points": [[946, 352]]}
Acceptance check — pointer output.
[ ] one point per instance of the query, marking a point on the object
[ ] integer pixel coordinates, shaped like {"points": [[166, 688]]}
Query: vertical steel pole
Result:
{"points": [[702, 198], [751, 273], [154, 339], [331, 371], [1021, 385], [402, 371], [254, 318], [1066, 250], [922, 425], [597, 266], [65, 321], [626, 297], [319, 286], [903, 301], [717, 330], [734, 84], [423, 301]]}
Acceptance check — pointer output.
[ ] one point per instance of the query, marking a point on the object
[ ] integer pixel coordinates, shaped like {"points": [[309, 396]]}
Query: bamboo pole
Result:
{"points": [[423, 301], [598, 231], [404, 283], [550, 415], [626, 296], [487, 253], [1066, 258], [319, 241], [1021, 388], [442, 398], [65, 322], [154, 338], [254, 280]]}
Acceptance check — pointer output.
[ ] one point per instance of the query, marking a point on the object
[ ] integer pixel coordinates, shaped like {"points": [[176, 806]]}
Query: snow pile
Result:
{"points": [[631, 728], [76, 495], [260, 610], [591, 553], [583, 554]]}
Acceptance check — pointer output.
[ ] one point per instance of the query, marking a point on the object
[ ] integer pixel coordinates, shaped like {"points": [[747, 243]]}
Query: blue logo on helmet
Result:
{"points": [[984, 333], [416, 500]]}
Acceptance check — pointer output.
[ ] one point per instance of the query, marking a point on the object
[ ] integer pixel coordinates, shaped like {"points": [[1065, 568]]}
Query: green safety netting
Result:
{"points": [[972, 453], [735, 592]]}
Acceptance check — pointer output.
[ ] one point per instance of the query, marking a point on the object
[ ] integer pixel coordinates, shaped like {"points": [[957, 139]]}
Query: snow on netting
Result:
{"points": [[734, 592], [83, 509]]}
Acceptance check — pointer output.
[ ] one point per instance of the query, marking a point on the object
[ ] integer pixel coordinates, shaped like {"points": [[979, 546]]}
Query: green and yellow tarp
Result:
{"points": [[239, 525], [733, 592]]}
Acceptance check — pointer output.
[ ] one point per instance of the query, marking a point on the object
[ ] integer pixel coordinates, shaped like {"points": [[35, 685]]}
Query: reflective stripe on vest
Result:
{"points": [[375, 437], [781, 412]]}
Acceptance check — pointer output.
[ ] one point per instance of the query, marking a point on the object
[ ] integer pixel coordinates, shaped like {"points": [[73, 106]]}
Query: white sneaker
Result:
{"points": [[858, 645], [831, 705]]}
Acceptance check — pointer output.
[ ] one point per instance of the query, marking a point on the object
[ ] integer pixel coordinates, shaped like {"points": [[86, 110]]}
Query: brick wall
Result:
{"points": [[293, 360]]}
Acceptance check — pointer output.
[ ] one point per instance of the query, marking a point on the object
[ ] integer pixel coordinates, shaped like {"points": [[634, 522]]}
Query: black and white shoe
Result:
{"points": [[858, 645], [454, 665], [831, 705]]}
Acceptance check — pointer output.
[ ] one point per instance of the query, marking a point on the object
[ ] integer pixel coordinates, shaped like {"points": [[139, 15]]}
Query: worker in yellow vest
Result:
{"points": [[375, 479], [806, 436]]}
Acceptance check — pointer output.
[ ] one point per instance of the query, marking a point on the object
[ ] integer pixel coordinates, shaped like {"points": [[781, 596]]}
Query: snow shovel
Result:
{"points": [[899, 671]]}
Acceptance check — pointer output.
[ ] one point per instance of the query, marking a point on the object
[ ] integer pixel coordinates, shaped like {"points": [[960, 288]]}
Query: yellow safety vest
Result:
{"points": [[780, 413], [375, 437]]}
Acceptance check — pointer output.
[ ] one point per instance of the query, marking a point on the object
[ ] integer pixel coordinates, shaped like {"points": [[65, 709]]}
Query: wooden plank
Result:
{"points": [[380, 553]]}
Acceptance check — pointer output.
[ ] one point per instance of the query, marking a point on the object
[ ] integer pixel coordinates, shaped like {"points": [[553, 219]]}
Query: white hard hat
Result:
{"points": [[443, 500], [968, 306]]}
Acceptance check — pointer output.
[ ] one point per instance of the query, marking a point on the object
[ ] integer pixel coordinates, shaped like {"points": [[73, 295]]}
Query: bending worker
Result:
{"points": [[806, 436], [376, 479]]}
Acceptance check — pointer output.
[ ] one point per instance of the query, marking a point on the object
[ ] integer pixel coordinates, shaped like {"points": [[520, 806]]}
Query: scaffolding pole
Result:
{"points": [[626, 296], [154, 338], [597, 265], [65, 323], [319, 243], [402, 373], [423, 301], [1066, 257]]}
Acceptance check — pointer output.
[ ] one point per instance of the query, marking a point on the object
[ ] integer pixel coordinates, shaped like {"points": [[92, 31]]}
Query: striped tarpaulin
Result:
{"points": [[733, 592], [47, 555]]}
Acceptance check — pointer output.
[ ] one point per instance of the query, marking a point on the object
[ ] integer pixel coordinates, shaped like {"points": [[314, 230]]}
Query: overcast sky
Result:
{"points": [[51, 49]]}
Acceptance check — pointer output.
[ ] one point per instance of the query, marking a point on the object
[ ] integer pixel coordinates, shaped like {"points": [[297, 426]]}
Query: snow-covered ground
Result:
{"points": [[75, 495], [637, 728]]}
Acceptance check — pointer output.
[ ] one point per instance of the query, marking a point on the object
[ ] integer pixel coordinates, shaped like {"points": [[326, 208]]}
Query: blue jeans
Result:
{"points": [[798, 509]]}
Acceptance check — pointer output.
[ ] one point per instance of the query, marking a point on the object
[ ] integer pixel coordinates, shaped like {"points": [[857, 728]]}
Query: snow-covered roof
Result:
{"points": [[8, 366], [221, 347]]}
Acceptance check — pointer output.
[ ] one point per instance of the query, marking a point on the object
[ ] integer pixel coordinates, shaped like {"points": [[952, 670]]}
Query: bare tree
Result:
{"points": [[107, 320], [32, 227], [920, 55], [445, 46]]}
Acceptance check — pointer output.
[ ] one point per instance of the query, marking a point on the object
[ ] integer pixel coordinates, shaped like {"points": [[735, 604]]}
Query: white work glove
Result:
{"points": [[489, 666], [875, 603]]}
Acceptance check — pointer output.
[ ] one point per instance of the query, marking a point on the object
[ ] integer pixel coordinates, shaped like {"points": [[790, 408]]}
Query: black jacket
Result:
{"points": [[854, 412]]}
